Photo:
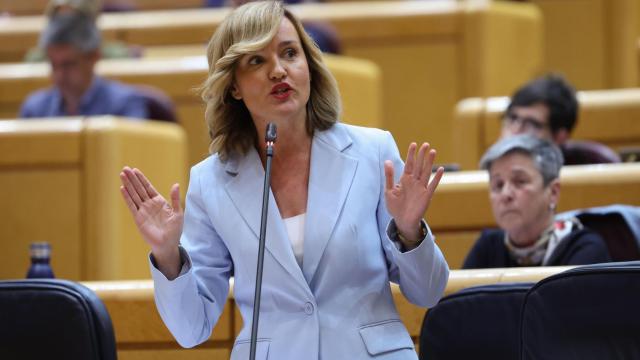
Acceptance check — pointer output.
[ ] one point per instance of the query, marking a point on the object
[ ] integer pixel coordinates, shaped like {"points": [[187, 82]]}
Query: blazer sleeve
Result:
{"points": [[191, 304], [422, 273]]}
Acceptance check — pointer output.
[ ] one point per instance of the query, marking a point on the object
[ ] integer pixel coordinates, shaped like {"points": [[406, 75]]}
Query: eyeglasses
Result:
{"points": [[525, 123]]}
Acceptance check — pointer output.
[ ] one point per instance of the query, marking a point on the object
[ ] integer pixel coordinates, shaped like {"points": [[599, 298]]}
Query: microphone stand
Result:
{"points": [[270, 138]]}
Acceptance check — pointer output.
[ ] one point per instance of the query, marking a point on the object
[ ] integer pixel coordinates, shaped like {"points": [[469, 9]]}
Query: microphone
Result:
{"points": [[271, 133], [270, 138]]}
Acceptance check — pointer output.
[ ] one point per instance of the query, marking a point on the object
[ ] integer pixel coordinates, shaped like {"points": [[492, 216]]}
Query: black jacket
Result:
{"points": [[579, 247]]}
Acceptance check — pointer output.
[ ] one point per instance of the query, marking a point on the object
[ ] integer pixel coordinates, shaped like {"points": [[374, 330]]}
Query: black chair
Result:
{"points": [[53, 319], [619, 226], [480, 322], [590, 312], [159, 105], [583, 152]]}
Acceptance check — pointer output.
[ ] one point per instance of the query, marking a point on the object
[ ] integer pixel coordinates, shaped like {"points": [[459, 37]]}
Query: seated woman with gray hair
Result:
{"points": [[524, 189]]}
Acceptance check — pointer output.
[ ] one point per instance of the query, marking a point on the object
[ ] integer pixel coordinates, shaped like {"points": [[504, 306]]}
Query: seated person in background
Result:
{"points": [[72, 45], [111, 49], [524, 190], [547, 108]]}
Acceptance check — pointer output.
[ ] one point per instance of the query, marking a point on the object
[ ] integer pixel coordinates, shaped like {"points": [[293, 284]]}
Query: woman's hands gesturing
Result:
{"points": [[159, 222], [409, 199]]}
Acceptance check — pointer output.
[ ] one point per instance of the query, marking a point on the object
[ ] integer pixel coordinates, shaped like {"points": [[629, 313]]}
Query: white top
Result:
{"points": [[295, 229]]}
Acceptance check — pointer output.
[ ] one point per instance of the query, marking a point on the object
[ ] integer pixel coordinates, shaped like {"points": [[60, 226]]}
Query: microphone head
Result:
{"points": [[271, 134]]}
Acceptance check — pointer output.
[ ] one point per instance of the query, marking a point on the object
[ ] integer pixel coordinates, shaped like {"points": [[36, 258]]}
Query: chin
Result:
{"points": [[510, 227]]}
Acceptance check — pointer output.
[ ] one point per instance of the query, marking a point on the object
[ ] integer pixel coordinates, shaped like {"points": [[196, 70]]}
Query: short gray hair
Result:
{"points": [[546, 156], [74, 28]]}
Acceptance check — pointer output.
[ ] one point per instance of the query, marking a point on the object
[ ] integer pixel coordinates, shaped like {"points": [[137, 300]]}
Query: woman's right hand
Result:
{"points": [[159, 222]]}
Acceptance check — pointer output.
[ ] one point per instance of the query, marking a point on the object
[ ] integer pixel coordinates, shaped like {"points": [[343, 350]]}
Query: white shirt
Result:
{"points": [[295, 230]]}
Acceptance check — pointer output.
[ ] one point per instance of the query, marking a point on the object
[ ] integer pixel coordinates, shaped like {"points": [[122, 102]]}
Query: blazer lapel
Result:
{"points": [[330, 179], [245, 190]]}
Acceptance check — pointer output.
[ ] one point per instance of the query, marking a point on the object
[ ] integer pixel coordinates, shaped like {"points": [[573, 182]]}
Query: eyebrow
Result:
{"points": [[516, 171], [288, 42]]}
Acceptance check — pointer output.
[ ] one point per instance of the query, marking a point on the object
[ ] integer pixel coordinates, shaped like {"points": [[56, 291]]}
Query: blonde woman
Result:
{"points": [[341, 224]]}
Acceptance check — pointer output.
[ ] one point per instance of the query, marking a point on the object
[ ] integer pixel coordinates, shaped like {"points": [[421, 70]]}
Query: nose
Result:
{"points": [[278, 70], [506, 193], [57, 75]]}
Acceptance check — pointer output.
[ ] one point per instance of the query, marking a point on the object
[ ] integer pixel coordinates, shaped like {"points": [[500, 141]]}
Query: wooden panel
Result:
{"points": [[595, 49], [136, 321], [140, 332], [42, 203], [417, 103], [456, 244], [40, 143]]}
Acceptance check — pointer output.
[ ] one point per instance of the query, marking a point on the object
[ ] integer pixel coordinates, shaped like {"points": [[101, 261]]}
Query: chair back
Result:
{"points": [[53, 319], [159, 104], [589, 312], [480, 322], [583, 152], [618, 225]]}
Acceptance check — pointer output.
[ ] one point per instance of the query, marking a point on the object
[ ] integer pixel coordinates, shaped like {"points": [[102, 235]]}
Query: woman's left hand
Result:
{"points": [[408, 200]]}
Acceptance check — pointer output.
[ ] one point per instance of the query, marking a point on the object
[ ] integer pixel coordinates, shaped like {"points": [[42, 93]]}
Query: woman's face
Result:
{"points": [[274, 83], [521, 203]]}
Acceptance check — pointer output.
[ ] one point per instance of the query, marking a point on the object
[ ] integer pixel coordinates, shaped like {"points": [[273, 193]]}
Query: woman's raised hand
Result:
{"points": [[408, 200], [159, 222]]}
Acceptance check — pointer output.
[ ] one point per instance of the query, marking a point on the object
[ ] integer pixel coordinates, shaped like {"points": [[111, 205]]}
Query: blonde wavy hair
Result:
{"points": [[247, 29]]}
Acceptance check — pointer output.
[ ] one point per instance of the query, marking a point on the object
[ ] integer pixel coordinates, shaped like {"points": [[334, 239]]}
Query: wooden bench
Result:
{"points": [[431, 53], [359, 82], [140, 333], [460, 208], [611, 117], [60, 184]]}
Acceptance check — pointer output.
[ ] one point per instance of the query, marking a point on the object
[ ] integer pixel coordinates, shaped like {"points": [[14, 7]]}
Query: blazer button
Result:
{"points": [[308, 308]]}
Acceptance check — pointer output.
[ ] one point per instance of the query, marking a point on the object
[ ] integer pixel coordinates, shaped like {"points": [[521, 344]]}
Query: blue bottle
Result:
{"points": [[40, 256]]}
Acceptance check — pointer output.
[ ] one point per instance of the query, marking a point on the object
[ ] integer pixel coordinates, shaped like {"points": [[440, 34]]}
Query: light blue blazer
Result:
{"points": [[338, 305]]}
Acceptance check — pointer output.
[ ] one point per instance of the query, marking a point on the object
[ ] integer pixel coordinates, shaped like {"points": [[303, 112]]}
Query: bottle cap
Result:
{"points": [[40, 250]]}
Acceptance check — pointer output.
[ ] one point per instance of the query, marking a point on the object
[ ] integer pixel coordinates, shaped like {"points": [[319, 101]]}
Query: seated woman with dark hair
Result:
{"points": [[524, 190]]}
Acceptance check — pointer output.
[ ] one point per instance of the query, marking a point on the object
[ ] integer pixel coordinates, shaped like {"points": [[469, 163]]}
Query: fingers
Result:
{"points": [[151, 191], [410, 162], [388, 174], [137, 184], [431, 188], [127, 199], [428, 164], [127, 178], [175, 198], [419, 170]]}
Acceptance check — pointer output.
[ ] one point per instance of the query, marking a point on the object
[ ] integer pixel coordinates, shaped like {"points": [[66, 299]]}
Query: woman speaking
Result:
{"points": [[345, 214]]}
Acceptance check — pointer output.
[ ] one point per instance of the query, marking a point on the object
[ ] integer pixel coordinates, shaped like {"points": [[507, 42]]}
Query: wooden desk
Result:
{"points": [[140, 333]]}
